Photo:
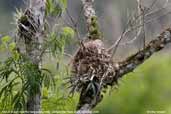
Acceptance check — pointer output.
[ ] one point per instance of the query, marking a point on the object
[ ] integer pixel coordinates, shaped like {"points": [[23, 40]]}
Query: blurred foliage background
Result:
{"points": [[146, 89]]}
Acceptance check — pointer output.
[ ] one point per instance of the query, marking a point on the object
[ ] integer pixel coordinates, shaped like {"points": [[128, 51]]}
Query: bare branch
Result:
{"points": [[141, 10], [141, 17], [138, 26], [75, 24], [157, 10]]}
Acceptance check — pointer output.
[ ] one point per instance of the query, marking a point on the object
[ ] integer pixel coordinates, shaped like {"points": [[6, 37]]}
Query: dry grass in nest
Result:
{"points": [[92, 67]]}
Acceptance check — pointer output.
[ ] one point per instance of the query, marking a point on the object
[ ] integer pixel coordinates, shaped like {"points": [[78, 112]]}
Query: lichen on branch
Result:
{"points": [[132, 62], [91, 20]]}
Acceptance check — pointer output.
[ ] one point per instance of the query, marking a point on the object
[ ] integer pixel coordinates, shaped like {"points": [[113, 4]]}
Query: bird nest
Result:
{"points": [[27, 25], [92, 67]]}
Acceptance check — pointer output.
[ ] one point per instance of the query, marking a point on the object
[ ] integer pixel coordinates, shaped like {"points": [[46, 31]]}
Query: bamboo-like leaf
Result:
{"points": [[64, 3], [53, 8], [12, 46], [48, 78]]}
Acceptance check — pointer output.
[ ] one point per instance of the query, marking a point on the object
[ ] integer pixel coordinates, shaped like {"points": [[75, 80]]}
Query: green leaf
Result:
{"points": [[64, 3], [12, 46], [53, 8], [2, 48], [6, 39], [45, 93], [16, 55], [49, 6], [57, 11], [67, 31]]}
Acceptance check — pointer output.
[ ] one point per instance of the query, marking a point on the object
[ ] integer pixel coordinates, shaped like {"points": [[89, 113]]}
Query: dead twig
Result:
{"points": [[141, 16]]}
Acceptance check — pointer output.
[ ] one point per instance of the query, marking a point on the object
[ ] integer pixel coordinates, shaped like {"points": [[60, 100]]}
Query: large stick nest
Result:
{"points": [[92, 67]]}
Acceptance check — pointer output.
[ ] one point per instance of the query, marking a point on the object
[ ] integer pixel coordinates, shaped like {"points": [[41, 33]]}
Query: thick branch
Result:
{"points": [[137, 59], [88, 101]]}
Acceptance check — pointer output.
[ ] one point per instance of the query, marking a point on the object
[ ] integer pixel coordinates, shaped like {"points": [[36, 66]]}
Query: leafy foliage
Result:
{"points": [[57, 40], [7, 44], [5, 39], [68, 32], [146, 89], [59, 99], [55, 7], [19, 76]]}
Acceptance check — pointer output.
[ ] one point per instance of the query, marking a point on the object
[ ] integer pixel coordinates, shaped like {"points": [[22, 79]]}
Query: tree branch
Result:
{"points": [[91, 20], [132, 62], [30, 29]]}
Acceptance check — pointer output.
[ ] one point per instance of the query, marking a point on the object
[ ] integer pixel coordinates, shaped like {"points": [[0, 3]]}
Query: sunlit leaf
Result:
{"points": [[53, 8], [16, 55], [45, 93], [68, 32], [5, 39], [12, 46]]}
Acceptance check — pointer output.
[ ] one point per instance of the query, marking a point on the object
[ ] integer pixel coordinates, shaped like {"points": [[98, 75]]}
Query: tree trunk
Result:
{"points": [[33, 48]]}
